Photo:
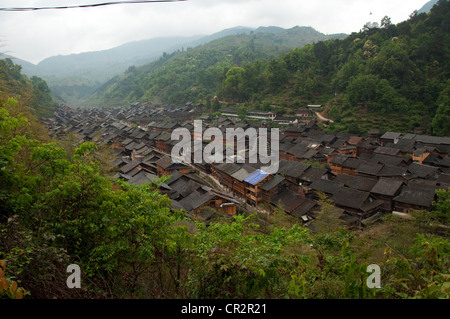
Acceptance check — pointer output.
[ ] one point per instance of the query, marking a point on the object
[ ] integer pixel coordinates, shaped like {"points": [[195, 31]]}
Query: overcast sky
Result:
{"points": [[34, 36]]}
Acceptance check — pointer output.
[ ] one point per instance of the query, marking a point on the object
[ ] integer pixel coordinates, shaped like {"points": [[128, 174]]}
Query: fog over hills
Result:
{"points": [[102, 65], [427, 7], [74, 77]]}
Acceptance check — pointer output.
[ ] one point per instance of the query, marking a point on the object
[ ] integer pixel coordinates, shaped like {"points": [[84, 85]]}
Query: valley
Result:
{"points": [[260, 163]]}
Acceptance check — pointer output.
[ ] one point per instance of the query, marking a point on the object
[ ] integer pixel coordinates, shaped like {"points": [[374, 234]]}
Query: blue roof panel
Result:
{"points": [[256, 177]]}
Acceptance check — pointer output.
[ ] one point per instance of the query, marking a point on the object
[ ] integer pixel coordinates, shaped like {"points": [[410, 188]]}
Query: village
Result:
{"points": [[365, 177]]}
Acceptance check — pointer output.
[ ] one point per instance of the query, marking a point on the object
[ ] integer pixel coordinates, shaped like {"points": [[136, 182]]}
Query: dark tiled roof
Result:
{"points": [[130, 166], [420, 195], [325, 186], [369, 168], [174, 176], [142, 178], [304, 208], [352, 163], [164, 162], [288, 201], [292, 168], [422, 171], [389, 170], [426, 139], [356, 182], [391, 135], [339, 160], [228, 168], [352, 198], [195, 200], [185, 187], [338, 143], [444, 179], [244, 172], [386, 150], [387, 186], [404, 145], [313, 173], [355, 140], [275, 181], [298, 150], [389, 160], [445, 162]]}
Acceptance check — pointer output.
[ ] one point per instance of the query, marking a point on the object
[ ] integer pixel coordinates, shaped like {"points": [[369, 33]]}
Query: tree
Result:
{"points": [[234, 260], [234, 83], [277, 74], [441, 120], [362, 89], [369, 26], [386, 22], [242, 113]]}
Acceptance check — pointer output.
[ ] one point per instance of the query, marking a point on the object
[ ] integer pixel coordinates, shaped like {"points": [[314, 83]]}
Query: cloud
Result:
{"points": [[34, 36]]}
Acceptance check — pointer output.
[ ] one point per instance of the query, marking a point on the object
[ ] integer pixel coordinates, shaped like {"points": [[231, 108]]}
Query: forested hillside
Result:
{"points": [[197, 72], [33, 92], [387, 77]]}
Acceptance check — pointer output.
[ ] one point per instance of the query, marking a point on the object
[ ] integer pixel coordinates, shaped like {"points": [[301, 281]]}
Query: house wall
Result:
{"points": [[407, 208], [388, 204], [349, 171], [419, 158], [336, 169], [161, 146]]}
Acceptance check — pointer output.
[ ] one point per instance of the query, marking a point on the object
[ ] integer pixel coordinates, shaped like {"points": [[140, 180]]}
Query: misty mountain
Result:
{"points": [[99, 66], [427, 7], [72, 78], [184, 75]]}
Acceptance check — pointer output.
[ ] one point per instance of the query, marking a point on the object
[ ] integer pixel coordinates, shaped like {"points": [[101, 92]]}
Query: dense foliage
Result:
{"points": [[57, 208], [400, 72], [195, 73], [34, 92]]}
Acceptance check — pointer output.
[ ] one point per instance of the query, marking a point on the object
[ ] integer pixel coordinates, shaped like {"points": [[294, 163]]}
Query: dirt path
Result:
{"points": [[324, 119]]}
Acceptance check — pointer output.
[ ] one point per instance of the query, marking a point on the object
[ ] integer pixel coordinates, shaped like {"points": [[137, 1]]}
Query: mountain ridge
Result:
{"points": [[427, 6], [72, 78], [201, 64], [127, 54]]}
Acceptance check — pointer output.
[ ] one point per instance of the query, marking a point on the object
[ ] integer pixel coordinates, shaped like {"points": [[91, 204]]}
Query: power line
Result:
{"points": [[93, 5]]}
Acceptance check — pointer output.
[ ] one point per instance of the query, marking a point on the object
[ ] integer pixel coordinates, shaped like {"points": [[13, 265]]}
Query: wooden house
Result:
{"points": [[348, 150], [386, 189], [356, 202], [294, 204], [252, 184], [390, 137], [222, 172], [415, 197], [336, 163], [328, 187], [294, 131], [273, 187], [293, 172], [163, 142], [204, 197], [237, 179], [356, 182], [165, 166]]}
